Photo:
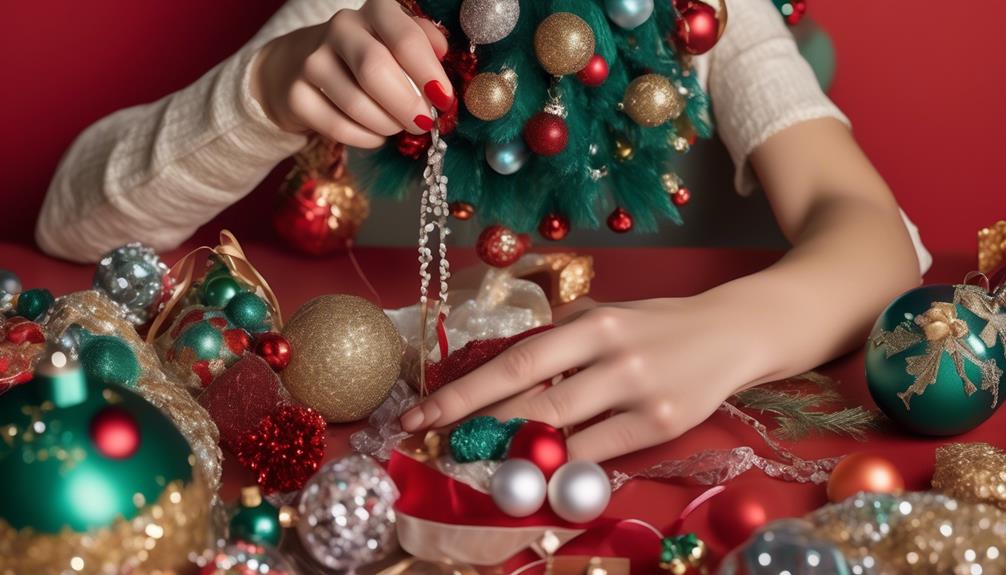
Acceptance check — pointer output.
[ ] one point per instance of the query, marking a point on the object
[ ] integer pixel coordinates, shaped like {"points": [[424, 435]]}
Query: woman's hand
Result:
{"points": [[349, 78], [663, 366]]}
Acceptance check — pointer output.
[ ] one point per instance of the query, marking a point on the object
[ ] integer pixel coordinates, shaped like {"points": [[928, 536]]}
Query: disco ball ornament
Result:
{"points": [[346, 513], [785, 546], [132, 276]]}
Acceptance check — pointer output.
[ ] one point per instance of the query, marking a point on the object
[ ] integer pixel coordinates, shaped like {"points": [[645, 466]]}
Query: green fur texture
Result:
{"points": [[559, 184]]}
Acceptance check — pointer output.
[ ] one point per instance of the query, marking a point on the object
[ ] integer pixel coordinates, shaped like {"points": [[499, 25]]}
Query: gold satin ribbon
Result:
{"points": [[230, 253]]}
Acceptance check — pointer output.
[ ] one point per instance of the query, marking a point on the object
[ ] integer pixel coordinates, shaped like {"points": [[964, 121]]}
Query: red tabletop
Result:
{"points": [[620, 275]]}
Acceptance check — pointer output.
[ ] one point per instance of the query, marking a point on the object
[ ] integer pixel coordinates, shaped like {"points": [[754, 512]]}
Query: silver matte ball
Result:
{"points": [[9, 282], [579, 491], [518, 487], [488, 21], [629, 14]]}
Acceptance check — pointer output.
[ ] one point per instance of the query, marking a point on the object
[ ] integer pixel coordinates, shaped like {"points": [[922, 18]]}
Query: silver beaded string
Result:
{"points": [[433, 211]]}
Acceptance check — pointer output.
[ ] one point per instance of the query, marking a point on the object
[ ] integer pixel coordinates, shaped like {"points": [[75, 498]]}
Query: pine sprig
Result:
{"points": [[799, 413]]}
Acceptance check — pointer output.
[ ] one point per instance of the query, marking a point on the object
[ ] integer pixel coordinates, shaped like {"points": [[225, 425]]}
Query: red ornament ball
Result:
{"points": [[698, 28], [553, 227], [863, 472], [499, 246], [620, 221], [285, 449], [595, 72], [737, 513], [546, 134], [413, 146], [274, 349], [681, 197], [462, 210], [541, 444], [115, 433]]}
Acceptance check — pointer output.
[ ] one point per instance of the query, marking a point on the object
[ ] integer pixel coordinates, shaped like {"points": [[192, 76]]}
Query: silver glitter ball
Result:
{"points": [[579, 491], [347, 516], [9, 282], [518, 487], [488, 21], [132, 277]]}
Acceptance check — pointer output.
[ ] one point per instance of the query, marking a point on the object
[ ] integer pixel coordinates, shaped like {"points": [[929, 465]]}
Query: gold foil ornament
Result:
{"points": [[991, 246], [346, 356], [563, 43], [974, 472], [651, 100], [490, 96]]}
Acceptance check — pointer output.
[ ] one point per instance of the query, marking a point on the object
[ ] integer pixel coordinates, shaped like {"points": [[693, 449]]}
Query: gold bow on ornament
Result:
{"points": [[945, 332], [229, 252]]}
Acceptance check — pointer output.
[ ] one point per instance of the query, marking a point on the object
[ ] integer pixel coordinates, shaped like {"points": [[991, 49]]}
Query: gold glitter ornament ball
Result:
{"points": [[346, 356], [489, 96], [563, 43], [651, 99]]}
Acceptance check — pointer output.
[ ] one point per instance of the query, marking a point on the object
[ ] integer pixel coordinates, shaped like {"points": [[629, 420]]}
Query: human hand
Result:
{"points": [[663, 366], [349, 78]]}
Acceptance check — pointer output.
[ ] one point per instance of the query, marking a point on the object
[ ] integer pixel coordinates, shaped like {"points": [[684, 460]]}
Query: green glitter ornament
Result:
{"points": [[482, 438], [203, 339], [108, 359], [248, 311], [34, 303], [256, 521], [219, 290]]}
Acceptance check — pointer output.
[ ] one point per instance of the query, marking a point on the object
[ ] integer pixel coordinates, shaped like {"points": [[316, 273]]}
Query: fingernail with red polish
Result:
{"points": [[424, 122], [412, 419], [438, 96], [440, 54]]}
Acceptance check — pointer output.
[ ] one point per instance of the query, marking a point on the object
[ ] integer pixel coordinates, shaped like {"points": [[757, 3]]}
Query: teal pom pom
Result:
{"points": [[248, 311], [34, 303], [107, 359], [482, 438]]}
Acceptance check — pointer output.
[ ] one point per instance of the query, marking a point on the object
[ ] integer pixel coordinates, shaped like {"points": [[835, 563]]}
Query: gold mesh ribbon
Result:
{"points": [[991, 246], [229, 252]]}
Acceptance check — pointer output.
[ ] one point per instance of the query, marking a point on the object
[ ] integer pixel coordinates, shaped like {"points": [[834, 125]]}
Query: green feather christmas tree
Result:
{"points": [[610, 161]]}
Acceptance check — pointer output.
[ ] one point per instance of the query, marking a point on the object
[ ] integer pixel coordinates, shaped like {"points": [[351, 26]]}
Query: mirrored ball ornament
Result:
{"points": [[507, 158], [9, 282], [346, 513], [518, 487], [785, 546], [132, 276], [629, 14], [488, 21], [579, 491]]}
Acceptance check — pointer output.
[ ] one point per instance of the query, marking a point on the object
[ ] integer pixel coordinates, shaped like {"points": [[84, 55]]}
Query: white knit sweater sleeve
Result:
{"points": [[154, 173]]}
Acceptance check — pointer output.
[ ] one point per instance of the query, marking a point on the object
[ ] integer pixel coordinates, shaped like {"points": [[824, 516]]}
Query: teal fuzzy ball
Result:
{"points": [[107, 359], [482, 438], [248, 311], [34, 303], [921, 346]]}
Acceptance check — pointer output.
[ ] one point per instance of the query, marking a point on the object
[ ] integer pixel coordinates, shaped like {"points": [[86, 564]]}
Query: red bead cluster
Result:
{"points": [[285, 449], [797, 9], [274, 349]]}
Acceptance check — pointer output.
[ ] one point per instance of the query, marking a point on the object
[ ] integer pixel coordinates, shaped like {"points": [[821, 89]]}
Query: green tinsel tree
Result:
{"points": [[590, 177]]}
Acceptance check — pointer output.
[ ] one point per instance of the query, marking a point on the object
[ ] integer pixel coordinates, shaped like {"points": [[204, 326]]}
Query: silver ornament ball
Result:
{"points": [[579, 491], [518, 487], [346, 513], [9, 282], [132, 277], [507, 158], [785, 546], [629, 14], [488, 21]]}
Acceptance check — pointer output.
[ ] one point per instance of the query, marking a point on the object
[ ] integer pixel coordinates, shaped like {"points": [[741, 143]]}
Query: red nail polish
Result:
{"points": [[425, 123], [438, 96]]}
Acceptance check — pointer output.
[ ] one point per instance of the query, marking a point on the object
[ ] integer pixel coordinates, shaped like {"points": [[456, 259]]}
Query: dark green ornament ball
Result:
{"points": [[943, 408], [259, 524], [34, 303], [108, 359], [219, 290], [482, 438], [248, 311]]}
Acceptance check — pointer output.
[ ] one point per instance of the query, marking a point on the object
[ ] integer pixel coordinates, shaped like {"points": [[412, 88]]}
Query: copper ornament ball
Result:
{"points": [[651, 100], [347, 356], [863, 472], [563, 43]]}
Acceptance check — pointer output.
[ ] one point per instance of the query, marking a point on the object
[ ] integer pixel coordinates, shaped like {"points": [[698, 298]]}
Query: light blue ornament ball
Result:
{"points": [[9, 282], [507, 158], [629, 14]]}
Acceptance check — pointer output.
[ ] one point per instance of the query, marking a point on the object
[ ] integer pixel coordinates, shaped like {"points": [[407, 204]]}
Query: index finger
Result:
{"points": [[412, 45]]}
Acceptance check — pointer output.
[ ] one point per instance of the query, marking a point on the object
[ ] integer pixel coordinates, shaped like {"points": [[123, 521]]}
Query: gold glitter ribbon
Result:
{"points": [[991, 246], [942, 331], [233, 256], [974, 472]]}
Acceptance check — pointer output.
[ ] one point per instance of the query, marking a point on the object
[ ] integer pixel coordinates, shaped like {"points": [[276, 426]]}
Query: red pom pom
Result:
{"points": [[595, 72], [285, 449], [115, 433], [681, 197], [499, 246], [698, 28], [553, 227], [546, 134], [274, 349], [240, 397], [620, 221], [541, 444]]}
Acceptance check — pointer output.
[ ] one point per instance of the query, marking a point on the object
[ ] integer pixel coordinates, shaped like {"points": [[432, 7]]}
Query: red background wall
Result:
{"points": [[924, 87]]}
